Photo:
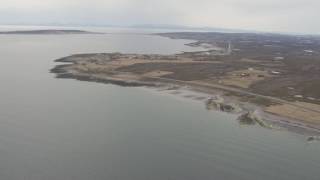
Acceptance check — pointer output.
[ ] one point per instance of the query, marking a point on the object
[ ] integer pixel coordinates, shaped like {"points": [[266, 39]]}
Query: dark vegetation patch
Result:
{"points": [[186, 72]]}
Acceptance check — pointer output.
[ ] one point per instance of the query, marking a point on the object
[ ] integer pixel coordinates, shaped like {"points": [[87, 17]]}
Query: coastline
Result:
{"points": [[272, 121], [232, 69]]}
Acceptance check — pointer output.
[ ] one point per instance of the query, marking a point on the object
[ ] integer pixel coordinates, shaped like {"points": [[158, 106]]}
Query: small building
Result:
{"points": [[308, 51], [244, 75], [278, 58], [298, 96], [275, 72]]}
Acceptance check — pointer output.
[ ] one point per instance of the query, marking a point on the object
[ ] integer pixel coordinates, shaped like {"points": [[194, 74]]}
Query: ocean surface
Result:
{"points": [[59, 129]]}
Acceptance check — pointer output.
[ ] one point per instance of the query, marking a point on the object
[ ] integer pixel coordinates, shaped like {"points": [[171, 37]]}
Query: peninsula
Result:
{"points": [[262, 77], [48, 32]]}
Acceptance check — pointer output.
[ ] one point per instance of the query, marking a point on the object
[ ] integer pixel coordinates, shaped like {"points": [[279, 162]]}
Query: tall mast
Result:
{"points": [[229, 49]]}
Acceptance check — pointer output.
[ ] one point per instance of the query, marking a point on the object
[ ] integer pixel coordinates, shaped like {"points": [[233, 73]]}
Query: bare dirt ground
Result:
{"points": [[294, 112]]}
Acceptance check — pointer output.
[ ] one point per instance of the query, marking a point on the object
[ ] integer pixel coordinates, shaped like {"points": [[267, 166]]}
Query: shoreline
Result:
{"points": [[262, 74], [273, 121]]}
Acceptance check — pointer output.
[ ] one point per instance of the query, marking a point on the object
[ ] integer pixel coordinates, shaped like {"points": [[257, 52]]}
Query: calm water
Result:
{"points": [[54, 129]]}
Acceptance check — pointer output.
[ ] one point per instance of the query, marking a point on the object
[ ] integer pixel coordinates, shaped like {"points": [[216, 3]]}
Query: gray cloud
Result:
{"points": [[265, 15]]}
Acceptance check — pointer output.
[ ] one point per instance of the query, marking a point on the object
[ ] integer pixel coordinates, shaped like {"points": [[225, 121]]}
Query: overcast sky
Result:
{"points": [[265, 15]]}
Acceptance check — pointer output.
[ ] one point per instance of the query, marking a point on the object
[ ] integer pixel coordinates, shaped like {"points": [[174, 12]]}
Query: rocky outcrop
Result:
{"points": [[248, 117], [313, 138], [252, 118], [218, 103]]}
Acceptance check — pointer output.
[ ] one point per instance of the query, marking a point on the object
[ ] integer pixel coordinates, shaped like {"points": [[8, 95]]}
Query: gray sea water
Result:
{"points": [[58, 129]]}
